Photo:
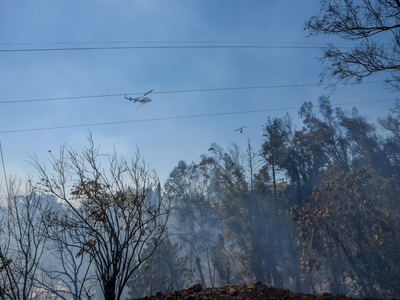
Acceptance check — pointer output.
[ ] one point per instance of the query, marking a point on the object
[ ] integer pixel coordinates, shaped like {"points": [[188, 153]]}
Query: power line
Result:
{"points": [[169, 47], [170, 92], [161, 92], [147, 120], [178, 117], [165, 42]]}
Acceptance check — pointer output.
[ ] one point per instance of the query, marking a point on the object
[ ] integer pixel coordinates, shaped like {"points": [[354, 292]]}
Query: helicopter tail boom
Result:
{"points": [[131, 99]]}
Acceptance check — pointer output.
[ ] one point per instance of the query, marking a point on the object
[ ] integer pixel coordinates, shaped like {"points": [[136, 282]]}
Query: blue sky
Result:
{"points": [[169, 128]]}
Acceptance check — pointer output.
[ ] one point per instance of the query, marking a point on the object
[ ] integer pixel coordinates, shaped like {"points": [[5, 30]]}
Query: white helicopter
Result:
{"points": [[142, 99]]}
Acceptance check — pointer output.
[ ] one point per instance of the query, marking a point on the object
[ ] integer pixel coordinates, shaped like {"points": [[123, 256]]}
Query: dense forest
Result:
{"points": [[314, 210]]}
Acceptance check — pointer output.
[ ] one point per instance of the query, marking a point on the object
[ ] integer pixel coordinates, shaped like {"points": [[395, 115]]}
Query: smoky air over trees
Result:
{"points": [[314, 208], [326, 219]]}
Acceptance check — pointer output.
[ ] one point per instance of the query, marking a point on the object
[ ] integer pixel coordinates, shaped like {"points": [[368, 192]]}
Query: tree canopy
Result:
{"points": [[374, 25]]}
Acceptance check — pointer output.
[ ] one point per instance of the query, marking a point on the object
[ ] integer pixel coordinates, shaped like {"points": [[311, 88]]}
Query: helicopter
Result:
{"points": [[240, 129], [142, 99]]}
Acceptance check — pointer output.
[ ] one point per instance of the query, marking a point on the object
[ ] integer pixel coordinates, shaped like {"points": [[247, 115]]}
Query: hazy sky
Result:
{"points": [[201, 94]]}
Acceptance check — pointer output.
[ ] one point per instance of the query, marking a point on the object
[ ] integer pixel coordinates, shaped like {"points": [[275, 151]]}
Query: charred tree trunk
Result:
{"points": [[200, 272], [109, 289]]}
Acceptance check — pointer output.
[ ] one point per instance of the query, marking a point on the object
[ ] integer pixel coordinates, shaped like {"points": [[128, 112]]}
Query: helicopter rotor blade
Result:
{"points": [[147, 93]]}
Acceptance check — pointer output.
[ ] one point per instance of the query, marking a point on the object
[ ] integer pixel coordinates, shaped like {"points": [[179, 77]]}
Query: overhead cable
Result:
{"points": [[164, 42], [147, 120], [178, 117], [162, 92], [169, 92], [169, 47]]}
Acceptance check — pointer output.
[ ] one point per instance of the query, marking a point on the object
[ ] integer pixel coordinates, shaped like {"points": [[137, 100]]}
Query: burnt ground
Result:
{"points": [[246, 291]]}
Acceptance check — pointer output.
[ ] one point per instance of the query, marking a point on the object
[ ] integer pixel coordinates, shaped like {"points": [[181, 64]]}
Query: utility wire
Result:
{"points": [[166, 42], [168, 47], [161, 92], [148, 120], [177, 117], [170, 92]]}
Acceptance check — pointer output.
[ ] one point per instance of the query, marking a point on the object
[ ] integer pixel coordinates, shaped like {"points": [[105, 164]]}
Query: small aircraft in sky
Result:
{"points": [[240, 129], [142, 99]]}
